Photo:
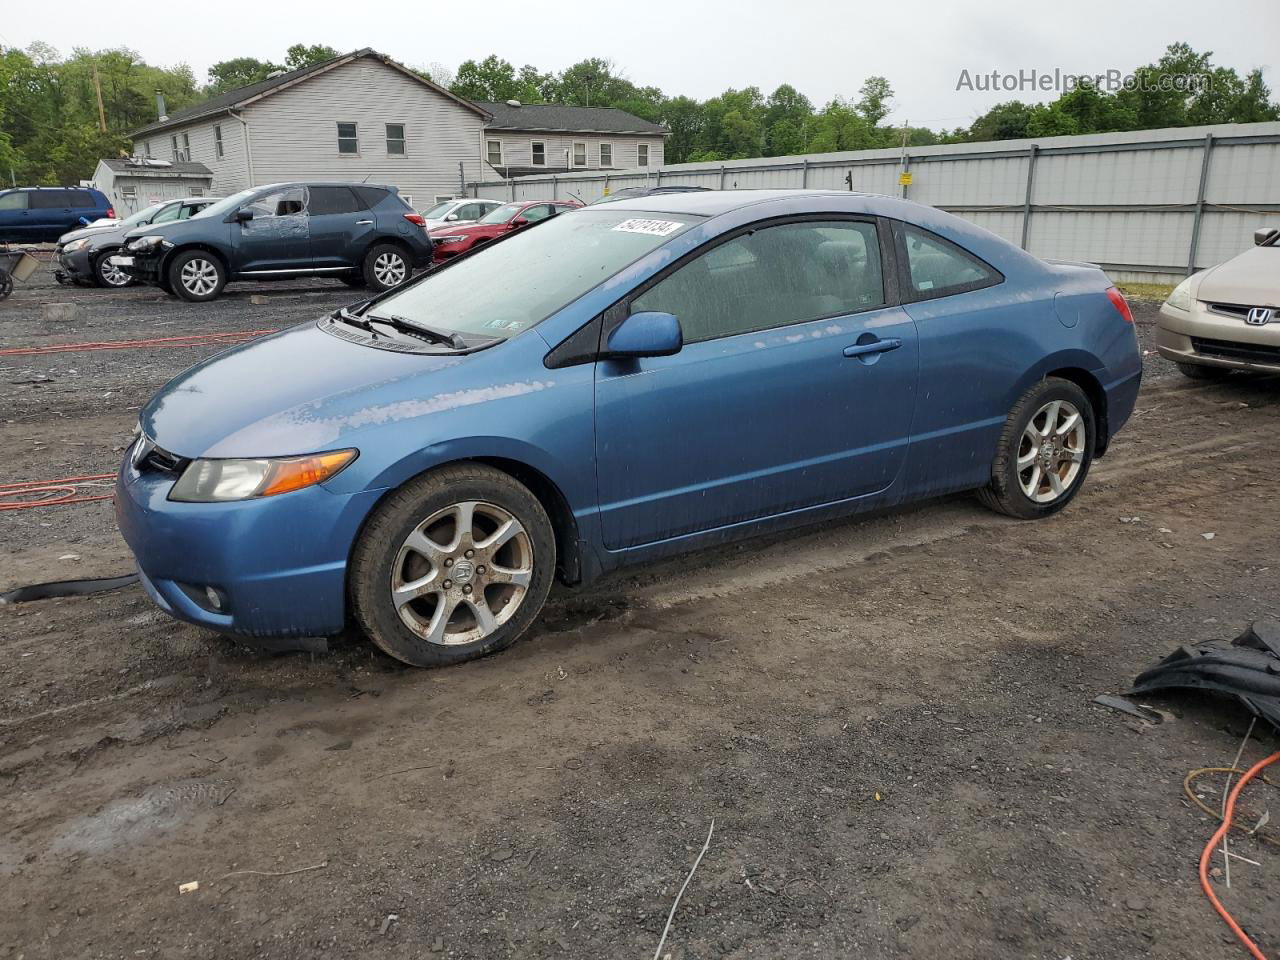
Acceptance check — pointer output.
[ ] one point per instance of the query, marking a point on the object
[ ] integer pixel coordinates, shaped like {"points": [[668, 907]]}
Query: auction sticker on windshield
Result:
{"points": [[656, 228]]}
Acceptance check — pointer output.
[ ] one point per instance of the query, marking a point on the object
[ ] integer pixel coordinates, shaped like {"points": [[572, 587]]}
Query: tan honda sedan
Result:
{"points": [[1227, 317]]}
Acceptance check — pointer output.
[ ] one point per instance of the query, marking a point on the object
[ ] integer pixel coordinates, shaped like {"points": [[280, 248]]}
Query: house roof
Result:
{"points": [[242, 96], [130, 167], [557, 117]]}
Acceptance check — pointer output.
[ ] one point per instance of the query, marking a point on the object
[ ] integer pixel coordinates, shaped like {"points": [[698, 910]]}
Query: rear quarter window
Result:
{"points": [[371, 196]]}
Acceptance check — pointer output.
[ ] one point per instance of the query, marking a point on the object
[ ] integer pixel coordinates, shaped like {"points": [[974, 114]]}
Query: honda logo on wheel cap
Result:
{"points": [[1259, 315]]}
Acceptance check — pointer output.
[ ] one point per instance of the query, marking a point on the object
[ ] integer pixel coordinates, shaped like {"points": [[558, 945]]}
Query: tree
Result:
{"points": [[873, 100], [492, 79], [300, 55], [685, 118], [240, 72], [787, 115], [592, 83]]}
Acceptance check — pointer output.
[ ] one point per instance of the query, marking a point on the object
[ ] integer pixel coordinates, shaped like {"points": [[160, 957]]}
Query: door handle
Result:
{"points": [[363, 223], [874, 345]]}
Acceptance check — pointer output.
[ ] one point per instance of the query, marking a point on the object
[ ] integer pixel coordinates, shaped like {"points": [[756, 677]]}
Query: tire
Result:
{"points": [[104, 275], [1195, 371], [196, 276], [6, 285], [1068, 458], [385, 266], [412, 539]]}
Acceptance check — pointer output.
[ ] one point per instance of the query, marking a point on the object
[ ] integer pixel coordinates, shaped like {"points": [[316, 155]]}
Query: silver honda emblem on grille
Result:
{"points": [[1259, 315]]}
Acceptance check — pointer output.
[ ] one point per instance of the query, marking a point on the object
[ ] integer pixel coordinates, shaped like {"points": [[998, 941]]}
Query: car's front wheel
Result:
{"points": [[196, 275], [1044, 453], [386, 266], [1196, 371], [454, 565], [107, 274]]}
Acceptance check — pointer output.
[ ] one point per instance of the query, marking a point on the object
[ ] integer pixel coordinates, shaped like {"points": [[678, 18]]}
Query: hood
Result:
{"points": [[471, 230], [92, 230], [1251, 279], [297, 391]]}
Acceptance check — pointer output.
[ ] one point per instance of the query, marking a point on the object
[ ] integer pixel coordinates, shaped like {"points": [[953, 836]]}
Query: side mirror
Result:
{"points": [[647, 334], [519, 222], [243, 215], [452, 216], [1265, 235]]}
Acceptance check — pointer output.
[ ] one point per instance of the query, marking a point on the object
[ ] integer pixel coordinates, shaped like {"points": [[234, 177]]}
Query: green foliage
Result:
{"points": [[300, 55], [496, 80], [240, 72]]}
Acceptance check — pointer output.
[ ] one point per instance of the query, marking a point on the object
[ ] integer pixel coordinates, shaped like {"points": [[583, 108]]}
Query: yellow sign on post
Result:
{"points": [[904, 178]]}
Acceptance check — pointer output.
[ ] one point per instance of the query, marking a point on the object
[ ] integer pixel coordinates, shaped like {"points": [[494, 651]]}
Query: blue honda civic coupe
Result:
{"points": [[612, 385]]}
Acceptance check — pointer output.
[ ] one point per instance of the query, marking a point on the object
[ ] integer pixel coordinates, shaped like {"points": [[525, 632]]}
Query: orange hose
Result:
{"points": [[63, 489], [1217, 839], [191, 340]]}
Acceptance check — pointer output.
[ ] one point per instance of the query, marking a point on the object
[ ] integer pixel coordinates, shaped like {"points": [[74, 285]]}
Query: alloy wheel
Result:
{"points": [[111, 274], [389, 269], [1051, 452], [462, 573], [199, 277]]}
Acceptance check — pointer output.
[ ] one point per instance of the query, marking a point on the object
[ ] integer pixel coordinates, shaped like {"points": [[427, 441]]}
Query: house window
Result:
{"points": [[217, 142], [185, 154], [606, 154], [579, 154], [347, 140], [538, 153], [129, 193], [395, 139], [642, 155], [173, 144], [493, 152], [146, 149]]}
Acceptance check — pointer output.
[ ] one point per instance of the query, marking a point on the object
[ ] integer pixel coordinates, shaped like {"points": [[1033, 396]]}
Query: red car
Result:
{"points": [[451, 241]]}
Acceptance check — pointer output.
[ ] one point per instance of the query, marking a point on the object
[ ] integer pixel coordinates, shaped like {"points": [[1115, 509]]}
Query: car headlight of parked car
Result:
{"points": [[1180, 299], [147, 244], [449, 238], [214, 481], [75, 245]]}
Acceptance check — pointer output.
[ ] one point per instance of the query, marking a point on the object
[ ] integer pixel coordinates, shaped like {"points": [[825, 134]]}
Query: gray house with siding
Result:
{"points": [[532, 138], [355, 117]]}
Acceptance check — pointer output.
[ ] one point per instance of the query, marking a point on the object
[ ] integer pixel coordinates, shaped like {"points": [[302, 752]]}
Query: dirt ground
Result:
{"points": [[889, 720]]}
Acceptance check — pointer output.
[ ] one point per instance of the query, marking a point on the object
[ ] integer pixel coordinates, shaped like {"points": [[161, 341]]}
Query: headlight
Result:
{"points": [[75, 245], [143, 244], [1180, 299], [448, 239], [211, 481]]}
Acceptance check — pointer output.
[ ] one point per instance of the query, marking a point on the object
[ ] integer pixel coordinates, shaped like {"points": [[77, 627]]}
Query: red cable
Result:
{"points": [[1217, 839], [191, 340], [64, 488]]}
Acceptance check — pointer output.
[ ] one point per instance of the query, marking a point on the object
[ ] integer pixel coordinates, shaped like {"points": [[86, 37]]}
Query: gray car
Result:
{"points": [[86, 255]]}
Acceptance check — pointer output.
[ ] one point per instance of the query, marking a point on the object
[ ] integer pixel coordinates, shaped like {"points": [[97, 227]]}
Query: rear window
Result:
{"points": [[332, 200]]}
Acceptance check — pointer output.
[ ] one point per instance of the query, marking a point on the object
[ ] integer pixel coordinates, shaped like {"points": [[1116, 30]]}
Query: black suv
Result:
{"points": [[356, 232]]}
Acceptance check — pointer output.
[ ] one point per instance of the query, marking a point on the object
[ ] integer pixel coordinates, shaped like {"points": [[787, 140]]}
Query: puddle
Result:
{"points": [[125, 822]]}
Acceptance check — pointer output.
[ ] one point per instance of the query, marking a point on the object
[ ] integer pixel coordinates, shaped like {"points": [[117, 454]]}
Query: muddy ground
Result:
{"points": [[889, 720]]}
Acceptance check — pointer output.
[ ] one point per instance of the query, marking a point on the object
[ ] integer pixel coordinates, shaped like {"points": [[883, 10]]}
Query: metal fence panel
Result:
{"points": [[1151, 204]]}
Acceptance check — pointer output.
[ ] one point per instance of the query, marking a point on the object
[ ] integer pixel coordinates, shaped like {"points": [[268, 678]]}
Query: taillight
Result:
{"points": [[111, 212], [1118, 301], [416, 219]]}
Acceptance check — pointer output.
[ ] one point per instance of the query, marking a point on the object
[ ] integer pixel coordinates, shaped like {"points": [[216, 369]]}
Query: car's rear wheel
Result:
{"points": [[196, 275], [1196, 371], [454, 565], [107, 274], [1045, 450], [386, 266]]}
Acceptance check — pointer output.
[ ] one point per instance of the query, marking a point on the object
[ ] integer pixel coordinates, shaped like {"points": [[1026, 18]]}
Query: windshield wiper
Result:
{"points": [[412, 326], [346, 316]]}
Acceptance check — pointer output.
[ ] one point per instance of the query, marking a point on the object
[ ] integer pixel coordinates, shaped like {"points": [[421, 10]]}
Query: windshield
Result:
{"points": [[439, 210], [502, 214], [521, 281], [223, 207], [146, 213]]}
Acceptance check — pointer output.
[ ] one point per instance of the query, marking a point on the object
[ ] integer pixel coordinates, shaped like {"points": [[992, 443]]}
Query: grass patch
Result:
{"points": [[1155, 292]]}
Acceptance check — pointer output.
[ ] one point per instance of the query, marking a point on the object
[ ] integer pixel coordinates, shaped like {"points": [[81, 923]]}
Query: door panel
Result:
{"points": [[776, 418], [340, 226], [278, 236]]}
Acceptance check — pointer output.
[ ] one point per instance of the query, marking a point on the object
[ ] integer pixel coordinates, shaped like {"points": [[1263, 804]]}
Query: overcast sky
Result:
{"points": [[824, 48]]}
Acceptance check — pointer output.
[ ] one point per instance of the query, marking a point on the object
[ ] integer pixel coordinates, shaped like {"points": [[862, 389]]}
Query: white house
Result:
{"points": [[360, 116], [533, 138]]}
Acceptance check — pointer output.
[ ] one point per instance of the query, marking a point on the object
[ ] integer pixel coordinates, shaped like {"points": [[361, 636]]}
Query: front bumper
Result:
{"points": [[145, 267], [75, 266], [279, 563], [1202, 337]]}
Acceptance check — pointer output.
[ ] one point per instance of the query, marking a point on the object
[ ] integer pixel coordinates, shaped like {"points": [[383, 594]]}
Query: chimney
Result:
{"points": [[160, 106]]}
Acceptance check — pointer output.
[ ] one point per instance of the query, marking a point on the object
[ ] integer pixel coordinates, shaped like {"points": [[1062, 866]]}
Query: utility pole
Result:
{"points": [[97, 87]]}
